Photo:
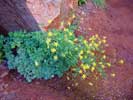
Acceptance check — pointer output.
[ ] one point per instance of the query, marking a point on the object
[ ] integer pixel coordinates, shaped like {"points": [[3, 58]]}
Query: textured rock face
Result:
{"points": [[33, 15]]}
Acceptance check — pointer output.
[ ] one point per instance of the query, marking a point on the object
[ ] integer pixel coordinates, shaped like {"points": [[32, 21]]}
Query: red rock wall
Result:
{"points": [[32, 15]]}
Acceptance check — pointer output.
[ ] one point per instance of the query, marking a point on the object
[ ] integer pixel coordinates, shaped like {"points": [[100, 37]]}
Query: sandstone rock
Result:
{"points": [[32, 15]]}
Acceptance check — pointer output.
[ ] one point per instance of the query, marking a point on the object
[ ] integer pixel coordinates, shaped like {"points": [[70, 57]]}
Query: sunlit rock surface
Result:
{"points": [[32, 15]]}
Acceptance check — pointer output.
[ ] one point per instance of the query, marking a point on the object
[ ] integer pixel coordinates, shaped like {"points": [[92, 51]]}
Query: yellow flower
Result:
{"points": [[93, 38], [49, 21], [53, 50], [50, 34], [104, 41], [73, 16], [83, 76], [103, 66], [92, 69], [100, 63], [99, 42], [85, 42], [94, 64], [96, 45], [92, 53], [121, 61], [81, 52], [62, 23], [55, 57], [82, 65], [81, 57], [88, 51], [80, 71], [66, 30], [56, 44], [96, 77], [73, 69], [90, 44], [108, 64], [70, 33], [48, 40], [36, 64], [75, 40], [104, 56], [85, 66]]}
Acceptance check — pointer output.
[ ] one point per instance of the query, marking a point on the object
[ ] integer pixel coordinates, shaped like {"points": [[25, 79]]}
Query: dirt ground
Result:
{"points": [[115, 22]]}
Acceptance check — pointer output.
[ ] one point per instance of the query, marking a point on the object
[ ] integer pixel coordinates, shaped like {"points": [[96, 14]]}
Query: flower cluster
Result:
{"points": [[92, 56]]}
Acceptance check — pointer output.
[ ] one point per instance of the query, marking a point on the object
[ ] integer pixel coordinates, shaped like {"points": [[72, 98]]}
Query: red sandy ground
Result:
{"points": [[115, 22]]}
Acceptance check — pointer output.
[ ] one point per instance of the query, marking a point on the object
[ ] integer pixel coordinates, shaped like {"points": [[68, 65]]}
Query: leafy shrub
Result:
{"points": [[41, 55]]}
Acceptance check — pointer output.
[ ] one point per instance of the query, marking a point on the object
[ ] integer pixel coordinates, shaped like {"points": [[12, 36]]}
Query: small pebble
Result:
{"points": [[113, 75], [76, 84], [68, 87], [90, 83], [121, 61]]}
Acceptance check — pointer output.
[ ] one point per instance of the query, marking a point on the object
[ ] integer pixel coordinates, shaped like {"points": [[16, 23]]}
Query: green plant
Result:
{"points": [[41, 54], [80, 2], [100, 3], [38, 55]]}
